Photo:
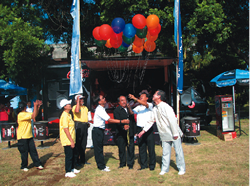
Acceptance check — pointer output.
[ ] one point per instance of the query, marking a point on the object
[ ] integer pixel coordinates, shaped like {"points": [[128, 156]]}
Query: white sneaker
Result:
{"points": [[75, 171], [25, 169], [70, 174], [40, 167], [162, 173], [106, 169], [181, 172]]}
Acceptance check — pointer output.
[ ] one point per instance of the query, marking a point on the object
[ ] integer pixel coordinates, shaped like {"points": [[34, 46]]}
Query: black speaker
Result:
{"points": [[61, 94]]}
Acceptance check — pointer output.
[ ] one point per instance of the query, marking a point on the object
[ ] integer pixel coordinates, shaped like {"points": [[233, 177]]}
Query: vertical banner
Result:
{"points": [[75, 69], [178, 41]]}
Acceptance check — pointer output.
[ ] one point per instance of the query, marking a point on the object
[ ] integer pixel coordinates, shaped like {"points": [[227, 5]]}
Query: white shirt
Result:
{"points": [[166, 122], [29, 109], [144, 115], [100, 117]]}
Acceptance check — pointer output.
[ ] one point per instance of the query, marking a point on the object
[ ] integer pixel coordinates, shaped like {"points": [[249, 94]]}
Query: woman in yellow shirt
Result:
{"points": [[24, 135], [68, 138]]}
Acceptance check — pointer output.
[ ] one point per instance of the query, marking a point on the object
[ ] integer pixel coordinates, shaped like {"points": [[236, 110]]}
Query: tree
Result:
{"points": [[23, 54]]}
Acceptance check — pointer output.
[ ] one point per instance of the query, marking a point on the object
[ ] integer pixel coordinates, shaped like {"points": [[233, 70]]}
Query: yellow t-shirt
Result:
{"points": [[82, 115], [66, 121], [24, 130]]}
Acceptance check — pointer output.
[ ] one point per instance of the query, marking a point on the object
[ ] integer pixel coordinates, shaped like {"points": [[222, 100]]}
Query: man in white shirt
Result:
{"points": [[29, 108], [169, 132], [144, 112], [98, 131]]}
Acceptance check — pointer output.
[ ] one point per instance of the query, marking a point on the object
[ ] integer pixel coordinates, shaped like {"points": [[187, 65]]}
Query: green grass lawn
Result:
{"points": [[213, 162]]}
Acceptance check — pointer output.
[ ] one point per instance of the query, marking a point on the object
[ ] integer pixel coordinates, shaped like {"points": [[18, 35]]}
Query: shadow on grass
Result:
{"points": [[43, 159], [172, 162], [107, 156], [210, 129], [46, 144], [89, 154]]}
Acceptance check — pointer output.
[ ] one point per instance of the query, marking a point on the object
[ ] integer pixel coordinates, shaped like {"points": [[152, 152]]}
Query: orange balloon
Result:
{"points": [[138, 41], [151, 38], [137, 49], [149, 46], [108, 45], [152, 21]]}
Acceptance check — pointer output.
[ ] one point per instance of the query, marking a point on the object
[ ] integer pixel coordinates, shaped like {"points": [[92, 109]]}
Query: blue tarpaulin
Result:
{"points": [[11, 89]]}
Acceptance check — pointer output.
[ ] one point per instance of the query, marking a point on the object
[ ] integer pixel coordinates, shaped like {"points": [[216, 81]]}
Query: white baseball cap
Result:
{"points": [[64, 102], [80, 96]]}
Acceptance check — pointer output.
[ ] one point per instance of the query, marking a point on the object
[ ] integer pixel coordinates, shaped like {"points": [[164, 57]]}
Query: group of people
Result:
{"points": [[73, 133]]}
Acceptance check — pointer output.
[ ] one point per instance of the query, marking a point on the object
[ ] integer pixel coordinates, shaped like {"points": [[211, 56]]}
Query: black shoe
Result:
{"points": [[87, 163], [151, 169], [120, 167], [130, 168]]}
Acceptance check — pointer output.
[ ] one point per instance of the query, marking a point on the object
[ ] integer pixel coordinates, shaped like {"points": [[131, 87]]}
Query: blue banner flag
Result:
{"points": [[75, 69], [178, 38]]}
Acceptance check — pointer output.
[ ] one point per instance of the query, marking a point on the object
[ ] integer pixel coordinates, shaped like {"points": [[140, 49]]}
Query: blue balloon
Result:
{"points": [[125, 44], [118, 25], [129, 30]]}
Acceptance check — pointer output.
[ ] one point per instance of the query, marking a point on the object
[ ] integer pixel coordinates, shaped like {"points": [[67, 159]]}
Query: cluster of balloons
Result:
{"points": [[142, 33]]}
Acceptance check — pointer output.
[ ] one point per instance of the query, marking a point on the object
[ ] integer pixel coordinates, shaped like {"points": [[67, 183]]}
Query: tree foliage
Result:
{"points": [[22, 50]]}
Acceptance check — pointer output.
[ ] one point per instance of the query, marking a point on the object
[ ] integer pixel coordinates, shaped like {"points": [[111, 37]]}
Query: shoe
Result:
{"points": [[40, 167], [75, 171], [87, 163], [106, 169], [162, 173], [120, 167], [25, 169], [181, 172], [70, 175], [130, 168], [151, 169]]}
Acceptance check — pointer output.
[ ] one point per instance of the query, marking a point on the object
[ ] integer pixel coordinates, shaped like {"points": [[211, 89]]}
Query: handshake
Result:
{"points": [[125, 121]]}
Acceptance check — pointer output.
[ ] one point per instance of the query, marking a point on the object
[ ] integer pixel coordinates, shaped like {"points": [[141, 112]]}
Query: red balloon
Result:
{"points": [[115, 43], [116, 36], [96, 34], [139, 21], [156, 31], [105, 31]]}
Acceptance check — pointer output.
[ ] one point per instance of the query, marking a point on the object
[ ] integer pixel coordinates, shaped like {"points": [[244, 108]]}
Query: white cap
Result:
{"points": [[79, 95], [64, 102], [144, 92]]}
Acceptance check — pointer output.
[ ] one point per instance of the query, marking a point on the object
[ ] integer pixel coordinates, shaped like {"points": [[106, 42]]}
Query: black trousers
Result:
{"points": [[97, 137], [81, 141], [147, 140], [26, 146], [69, 158], [122, 144]]}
